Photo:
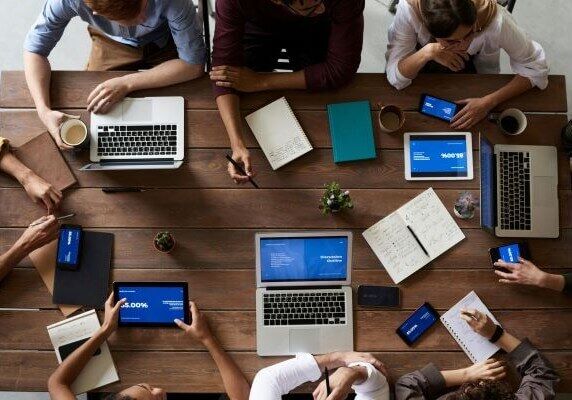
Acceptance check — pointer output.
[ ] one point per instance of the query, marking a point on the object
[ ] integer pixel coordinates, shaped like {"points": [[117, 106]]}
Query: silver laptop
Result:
{"points": [[303, 297], [138, 133], [519, 190]]}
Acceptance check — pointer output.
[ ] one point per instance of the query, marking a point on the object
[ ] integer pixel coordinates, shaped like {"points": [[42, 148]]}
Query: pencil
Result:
{"points": [[241, 170], [328, 389]]}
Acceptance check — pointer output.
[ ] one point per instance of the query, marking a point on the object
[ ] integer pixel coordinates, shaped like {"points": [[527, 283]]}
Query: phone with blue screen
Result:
{"points": [[69, 247], [436, 107], [417, 324], [509, 253]]}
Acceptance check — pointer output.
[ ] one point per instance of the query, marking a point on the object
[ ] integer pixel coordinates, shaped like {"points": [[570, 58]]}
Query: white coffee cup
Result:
{"points": [[73, 132], [512, 121]]}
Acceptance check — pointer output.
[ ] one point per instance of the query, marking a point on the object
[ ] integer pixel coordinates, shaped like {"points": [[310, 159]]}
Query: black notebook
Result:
{"points": [[89, 284]]}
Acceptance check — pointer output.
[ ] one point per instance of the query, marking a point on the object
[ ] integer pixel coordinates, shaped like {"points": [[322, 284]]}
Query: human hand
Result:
{"points": [[479, 322], [199, 327], [108, 93], [52, 120], [475, 110], [240, 155], [488, 369], [341, 383], [240, 78], [523, 272], [41, 191], [111, 314], [447, 58], [40, 232], [345, 358]]}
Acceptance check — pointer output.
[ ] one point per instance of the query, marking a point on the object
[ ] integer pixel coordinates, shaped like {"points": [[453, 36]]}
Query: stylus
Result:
{"points": [[59, 219], [418, 241], [328, 389], [242, 172]]}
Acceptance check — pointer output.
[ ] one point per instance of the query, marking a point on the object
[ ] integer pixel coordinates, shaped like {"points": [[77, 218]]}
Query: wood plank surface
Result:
{"points": [[442, 288], [69, 89]]}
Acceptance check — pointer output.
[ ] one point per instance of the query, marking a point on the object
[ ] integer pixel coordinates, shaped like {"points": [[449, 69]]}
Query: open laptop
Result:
{"points": [[303, 297], [138, 133], [519, 190]]}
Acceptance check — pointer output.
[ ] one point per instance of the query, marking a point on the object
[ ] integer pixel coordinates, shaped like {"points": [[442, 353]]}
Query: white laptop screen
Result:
{"points": [[299, 259]]}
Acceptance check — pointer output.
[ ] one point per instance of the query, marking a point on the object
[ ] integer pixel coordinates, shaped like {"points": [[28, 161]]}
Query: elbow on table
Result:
{"points": [[335, 76]]}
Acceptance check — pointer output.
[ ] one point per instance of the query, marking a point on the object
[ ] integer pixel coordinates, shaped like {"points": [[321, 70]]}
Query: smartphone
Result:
{"points": [[509, 253], [417, 323], [378, 296], [438, 108], [69, 247]]}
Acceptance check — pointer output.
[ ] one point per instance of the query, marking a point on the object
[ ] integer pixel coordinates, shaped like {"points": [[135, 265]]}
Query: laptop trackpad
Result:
{"points": [[137, 110], [304, 340], [542, 192]]}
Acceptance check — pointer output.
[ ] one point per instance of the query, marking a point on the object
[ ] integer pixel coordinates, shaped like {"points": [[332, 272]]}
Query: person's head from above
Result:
{"points": [[304, 8], [124, 12], [451, 20], [483, 390], [141, 391]]}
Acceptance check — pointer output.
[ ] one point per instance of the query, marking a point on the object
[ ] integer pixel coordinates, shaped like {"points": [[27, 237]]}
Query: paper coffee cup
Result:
{"points": [[73, 132]]}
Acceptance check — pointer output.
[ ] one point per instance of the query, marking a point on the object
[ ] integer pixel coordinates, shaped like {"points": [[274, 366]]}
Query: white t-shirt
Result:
{"points": [[527, 57]]}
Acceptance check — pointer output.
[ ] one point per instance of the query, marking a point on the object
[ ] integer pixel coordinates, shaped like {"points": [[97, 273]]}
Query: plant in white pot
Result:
{"points": [[335, 200]]}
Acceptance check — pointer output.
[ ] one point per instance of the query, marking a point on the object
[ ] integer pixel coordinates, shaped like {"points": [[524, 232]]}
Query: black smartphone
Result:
{"points": [[69, 348], [378, 296], [436, 107], [509, 252], [69, 247], [417, 323]]}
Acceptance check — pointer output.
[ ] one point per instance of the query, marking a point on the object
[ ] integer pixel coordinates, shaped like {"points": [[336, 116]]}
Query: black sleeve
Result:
{"points": [[567, 283]]}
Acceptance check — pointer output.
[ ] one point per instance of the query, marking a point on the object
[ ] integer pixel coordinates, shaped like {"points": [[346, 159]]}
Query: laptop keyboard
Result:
{"points": [[142, 140], [305, 308], [515, 190]]}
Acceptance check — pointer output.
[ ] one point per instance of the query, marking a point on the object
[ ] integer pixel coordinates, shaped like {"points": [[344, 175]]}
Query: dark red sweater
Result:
{"points": [[344, 46]]}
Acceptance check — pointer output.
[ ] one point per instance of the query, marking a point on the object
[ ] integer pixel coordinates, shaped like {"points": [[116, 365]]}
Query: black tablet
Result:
{"points": [[152, 303]]}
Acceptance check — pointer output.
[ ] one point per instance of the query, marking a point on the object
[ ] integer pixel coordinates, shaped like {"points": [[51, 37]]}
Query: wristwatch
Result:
{"points": [[497, 335]]}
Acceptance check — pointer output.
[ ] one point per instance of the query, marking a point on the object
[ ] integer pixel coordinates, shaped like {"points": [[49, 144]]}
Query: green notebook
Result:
{"points": [[351, 130]]}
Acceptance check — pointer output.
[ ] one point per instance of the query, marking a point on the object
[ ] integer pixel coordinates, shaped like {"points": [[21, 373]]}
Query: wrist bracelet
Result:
{"points": [[497, 335]]}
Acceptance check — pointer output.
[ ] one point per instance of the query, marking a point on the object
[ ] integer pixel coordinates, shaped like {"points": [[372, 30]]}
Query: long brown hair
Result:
{"points": [[483, 390]]}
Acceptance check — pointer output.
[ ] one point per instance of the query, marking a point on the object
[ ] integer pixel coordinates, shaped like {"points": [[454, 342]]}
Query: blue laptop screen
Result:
{"points": [[438, 156], [488, 204], [288, 259]]}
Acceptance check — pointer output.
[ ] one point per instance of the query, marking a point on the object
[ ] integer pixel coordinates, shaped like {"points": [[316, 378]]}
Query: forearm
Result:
{"points": [[10, 259], [229, 107], [455, 377], [552, 281], [410, 66], [507, 342], [283, 80], [234, 381], [38, 73], [515, 87], [14, 167], [168, 73]]}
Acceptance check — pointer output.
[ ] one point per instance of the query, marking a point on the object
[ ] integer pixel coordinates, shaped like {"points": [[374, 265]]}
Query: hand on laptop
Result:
{"points": [[111, 314], [41, 191], [199, 328], [52, 120], [341, 383], [106, 94], [241, 156]]}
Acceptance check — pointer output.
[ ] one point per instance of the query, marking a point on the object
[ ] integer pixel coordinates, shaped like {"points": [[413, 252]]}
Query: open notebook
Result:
{"points": [[396, 247], [68, 335], [279, 133], [475, 346]]}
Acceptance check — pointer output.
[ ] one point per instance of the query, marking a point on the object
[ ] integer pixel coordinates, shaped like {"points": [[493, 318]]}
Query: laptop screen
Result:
{"points": [[290, 259], [488, 203]]}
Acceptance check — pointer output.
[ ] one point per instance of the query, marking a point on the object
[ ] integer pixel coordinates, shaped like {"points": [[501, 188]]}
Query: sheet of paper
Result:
{"points": [[100, 370], [475, 346]]}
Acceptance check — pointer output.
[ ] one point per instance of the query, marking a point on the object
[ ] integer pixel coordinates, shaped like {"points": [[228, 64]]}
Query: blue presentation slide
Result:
{"points": [[509, 253], [435, 156], [303, 259], [68, 246], [151, 304], [439, 108], [418, 323]]}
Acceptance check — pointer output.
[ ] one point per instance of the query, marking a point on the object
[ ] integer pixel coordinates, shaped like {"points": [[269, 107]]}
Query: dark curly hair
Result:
{"points": [[483, 390], [443, 17], [118, 396]]}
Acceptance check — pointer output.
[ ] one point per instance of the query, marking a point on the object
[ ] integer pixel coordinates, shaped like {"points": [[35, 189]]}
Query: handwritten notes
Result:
{"points": [[396, 247]]}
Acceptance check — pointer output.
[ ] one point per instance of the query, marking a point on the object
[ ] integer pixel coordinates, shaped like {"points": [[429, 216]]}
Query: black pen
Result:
{"points": [[241, 170], [328, 389], [122, 190], [418, 241]]}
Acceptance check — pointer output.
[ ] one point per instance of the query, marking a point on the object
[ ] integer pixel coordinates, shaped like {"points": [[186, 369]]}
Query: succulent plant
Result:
{"points": [[164, 241], [335, 199]]}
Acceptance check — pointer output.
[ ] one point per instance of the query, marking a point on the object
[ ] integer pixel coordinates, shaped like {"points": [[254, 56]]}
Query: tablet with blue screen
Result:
{"points": [[432, 156], [152, 303]]}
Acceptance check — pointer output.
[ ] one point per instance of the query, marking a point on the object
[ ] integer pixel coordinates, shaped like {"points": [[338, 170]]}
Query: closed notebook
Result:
{"points": [[351, 130], [279, 133]]}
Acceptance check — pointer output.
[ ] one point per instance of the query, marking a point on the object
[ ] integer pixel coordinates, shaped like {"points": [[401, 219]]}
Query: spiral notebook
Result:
{"points": [[474, 345], [279, 133]]}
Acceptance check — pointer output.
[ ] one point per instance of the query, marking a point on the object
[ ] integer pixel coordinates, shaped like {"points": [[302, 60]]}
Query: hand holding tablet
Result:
{"points": [[199, 329]]}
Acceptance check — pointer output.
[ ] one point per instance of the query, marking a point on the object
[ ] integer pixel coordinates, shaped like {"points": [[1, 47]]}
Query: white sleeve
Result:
{"points": [[272, 382], [527, 57], [375, 387], [402, 41]]}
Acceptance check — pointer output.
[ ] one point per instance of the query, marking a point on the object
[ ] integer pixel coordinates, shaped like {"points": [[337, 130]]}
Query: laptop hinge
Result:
{"points": [[302, 287], [147, 161], [495, 194]]}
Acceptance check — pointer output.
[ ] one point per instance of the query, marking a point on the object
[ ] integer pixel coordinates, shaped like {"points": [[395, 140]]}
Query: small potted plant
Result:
{"points": [[335, 199], [164, 242], [465, 205]]}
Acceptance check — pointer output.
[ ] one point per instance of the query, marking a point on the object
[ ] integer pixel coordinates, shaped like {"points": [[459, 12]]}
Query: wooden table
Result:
{"points": [[214, 223]]}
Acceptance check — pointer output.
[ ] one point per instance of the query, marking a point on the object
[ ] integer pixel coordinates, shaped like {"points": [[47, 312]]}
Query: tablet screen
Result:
{"points": [[151, 305], [438, 156]]}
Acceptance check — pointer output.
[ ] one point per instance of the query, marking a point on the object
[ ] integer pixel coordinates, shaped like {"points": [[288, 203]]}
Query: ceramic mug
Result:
{"points": [[390, 118], [73, 132]]}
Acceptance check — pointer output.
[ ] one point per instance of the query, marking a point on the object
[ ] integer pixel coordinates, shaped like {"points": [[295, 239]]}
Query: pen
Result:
{"points": [[469, 314], [418, 241], [241, 170], [122, 190], [59, 219], [328, 389]]}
